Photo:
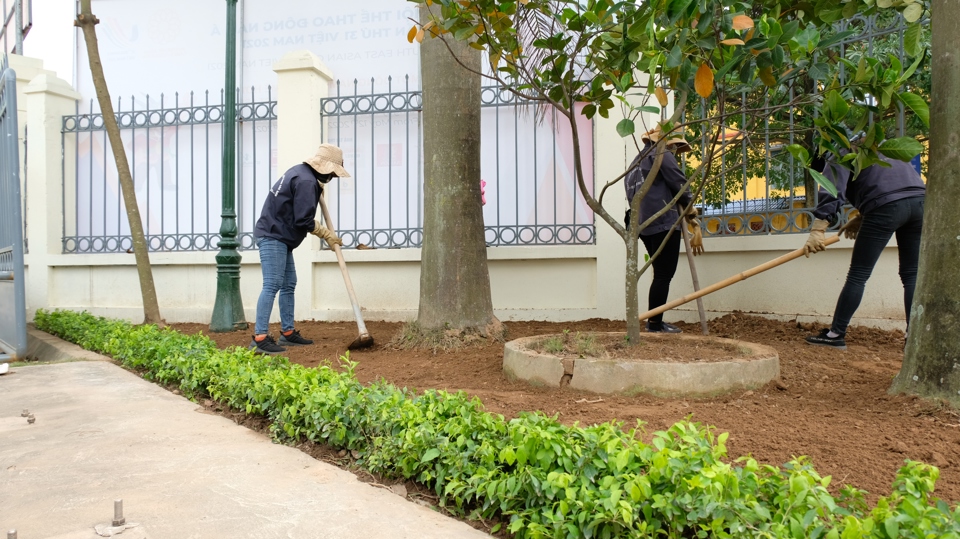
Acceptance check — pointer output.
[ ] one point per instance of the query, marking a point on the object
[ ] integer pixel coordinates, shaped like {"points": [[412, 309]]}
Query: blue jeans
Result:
{"points": [[902, 217], [279, 275]]}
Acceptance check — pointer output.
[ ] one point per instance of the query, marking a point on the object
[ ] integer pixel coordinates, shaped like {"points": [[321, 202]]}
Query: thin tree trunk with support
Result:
{"points": [[454, 279], [931, 367], [87, 22]]}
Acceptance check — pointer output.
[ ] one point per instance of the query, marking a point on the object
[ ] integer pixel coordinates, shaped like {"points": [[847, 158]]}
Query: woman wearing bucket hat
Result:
{"points": [[288, 215], [669, 181]]}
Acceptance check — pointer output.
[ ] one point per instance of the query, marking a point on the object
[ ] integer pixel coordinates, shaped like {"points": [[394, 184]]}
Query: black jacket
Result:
{"points": [[669, 181], [875, 186], [291, 207]]}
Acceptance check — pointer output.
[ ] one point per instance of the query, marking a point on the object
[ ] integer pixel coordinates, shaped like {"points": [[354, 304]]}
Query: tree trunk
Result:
{"points": [[151, 309], [930, 365], [454, 280], [632, 292]]}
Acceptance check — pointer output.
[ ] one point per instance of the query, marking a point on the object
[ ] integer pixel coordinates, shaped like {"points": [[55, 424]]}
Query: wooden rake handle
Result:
{"points": [[343, 269], [734, 279]]}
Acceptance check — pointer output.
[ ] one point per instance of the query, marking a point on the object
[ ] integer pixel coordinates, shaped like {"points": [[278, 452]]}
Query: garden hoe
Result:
{"points": [[734, 279], [364, 340]]}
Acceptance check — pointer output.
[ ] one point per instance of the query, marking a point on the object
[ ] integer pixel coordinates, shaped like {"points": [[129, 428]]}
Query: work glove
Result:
{"points": [[691, 213], [696, 242], [325, 234], [852, 228], [817, 236]]}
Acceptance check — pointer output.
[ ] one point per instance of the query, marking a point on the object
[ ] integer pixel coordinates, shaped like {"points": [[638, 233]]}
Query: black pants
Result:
{"points": [[664, 268], [901, 217]]}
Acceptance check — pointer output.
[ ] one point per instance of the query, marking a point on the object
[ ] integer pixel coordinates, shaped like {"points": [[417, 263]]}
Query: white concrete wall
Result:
{"points": [[528, 283]]}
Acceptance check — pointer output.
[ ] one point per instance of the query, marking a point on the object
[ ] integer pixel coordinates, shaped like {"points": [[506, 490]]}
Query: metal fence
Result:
{"points": [[13, 313], [526, 162], [761, 190], [20, 14], [174, 149]]}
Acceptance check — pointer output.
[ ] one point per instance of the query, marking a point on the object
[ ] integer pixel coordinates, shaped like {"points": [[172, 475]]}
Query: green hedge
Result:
{"points": [[543, 478]]}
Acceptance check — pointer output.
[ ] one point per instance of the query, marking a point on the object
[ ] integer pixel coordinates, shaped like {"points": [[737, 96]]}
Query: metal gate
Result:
{"points": [[13, 312]]}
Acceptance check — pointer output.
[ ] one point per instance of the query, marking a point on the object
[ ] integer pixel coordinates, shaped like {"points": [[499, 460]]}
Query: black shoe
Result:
{"points": [[664, 328], [267, 346], [821, 339], [294, 339]]}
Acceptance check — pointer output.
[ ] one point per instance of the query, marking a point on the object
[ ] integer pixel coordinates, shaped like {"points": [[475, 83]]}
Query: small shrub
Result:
{"points": [[544, 478]]}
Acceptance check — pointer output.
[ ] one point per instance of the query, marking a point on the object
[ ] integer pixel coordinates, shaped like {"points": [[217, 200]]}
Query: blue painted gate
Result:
{"points": [[13, 312]]}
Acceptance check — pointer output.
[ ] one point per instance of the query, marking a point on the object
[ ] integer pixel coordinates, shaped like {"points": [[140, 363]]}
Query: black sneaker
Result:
{"points": [[294, 339], [267, 346], [821, 339], [664, 328]]}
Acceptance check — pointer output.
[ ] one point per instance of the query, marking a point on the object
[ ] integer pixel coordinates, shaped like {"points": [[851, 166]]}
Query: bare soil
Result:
{"points": [[660, 348], [830, 405]]}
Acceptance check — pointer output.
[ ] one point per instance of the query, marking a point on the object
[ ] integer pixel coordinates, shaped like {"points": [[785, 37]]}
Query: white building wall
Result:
{"points": [[557, 283]]}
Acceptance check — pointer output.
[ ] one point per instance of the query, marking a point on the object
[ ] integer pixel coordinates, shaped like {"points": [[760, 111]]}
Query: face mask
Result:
{"points": [[325, 178]]}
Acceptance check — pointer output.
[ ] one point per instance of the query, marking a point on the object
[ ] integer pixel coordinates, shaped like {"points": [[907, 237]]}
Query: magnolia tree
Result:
{"points": [[727, 63]]}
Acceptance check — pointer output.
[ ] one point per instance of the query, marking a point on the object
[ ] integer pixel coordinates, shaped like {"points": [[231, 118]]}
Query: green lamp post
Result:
{"points": [[228, 308]]}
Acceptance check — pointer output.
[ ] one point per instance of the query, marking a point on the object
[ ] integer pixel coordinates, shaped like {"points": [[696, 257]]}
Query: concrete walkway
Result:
{"points": [[102, 433]]}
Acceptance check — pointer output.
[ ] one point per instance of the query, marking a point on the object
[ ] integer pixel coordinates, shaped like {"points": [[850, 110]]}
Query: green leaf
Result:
{"points": [[911, 40], [431, 454], [621, 459], [789, 30], [728, 66], [917, 105], [676, 9], [892, 527], [836, 38], [909, 72], [706, 19], [808, 38], [835, 107], [649, 108], [777, 54], [862, 73], [625, 127], [913, 12], [850, 9], [901, 148], [675, 57], [799, 153], [831, 15], [826, 184]]}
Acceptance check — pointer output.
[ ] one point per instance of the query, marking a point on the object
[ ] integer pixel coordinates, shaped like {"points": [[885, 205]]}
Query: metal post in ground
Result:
{"points": [[228, 308], [118, 519]]}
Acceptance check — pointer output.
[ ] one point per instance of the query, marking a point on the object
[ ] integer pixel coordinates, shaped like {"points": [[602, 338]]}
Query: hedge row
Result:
{"points": [[544, 478]]}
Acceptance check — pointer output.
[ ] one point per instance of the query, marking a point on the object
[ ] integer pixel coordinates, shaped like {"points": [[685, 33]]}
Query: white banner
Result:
{"points": [[180, 45]]}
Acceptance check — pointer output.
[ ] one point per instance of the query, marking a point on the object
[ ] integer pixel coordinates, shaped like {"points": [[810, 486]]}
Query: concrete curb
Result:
{"points": [[42, 346], [759, 365]]}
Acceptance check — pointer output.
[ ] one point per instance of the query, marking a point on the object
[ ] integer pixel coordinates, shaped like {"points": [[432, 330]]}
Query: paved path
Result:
{"points": [[102, 433]]}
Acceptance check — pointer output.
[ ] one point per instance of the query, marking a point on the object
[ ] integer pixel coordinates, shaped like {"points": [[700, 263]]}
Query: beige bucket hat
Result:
{"points": [[675, 138], [328, 160]]}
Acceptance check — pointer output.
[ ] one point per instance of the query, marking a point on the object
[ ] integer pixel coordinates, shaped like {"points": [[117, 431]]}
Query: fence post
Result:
{"points": [[48, 99], [302, 81]]}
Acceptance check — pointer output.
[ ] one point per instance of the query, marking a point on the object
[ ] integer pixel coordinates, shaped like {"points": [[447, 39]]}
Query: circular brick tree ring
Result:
{"points": [[752, 366]]}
